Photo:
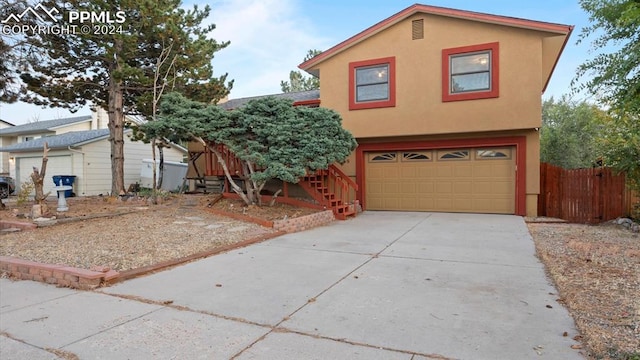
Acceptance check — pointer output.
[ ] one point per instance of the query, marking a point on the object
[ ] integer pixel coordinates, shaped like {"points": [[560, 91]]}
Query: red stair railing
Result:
{"points": [[334, 189]]}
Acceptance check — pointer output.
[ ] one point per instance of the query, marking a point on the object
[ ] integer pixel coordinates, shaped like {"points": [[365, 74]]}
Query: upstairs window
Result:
{"points": [[372, 84], [470, 72]]}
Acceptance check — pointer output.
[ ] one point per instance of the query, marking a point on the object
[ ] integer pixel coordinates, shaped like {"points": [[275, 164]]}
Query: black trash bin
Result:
{"points": [[65, 180]]}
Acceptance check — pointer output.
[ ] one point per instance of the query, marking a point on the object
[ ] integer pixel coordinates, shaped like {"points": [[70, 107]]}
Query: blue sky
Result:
{"points": [[269, 38]]}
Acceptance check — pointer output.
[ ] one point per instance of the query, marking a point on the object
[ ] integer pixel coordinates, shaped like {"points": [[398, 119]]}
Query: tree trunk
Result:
{"points": [[38, 181], [248, 184], [116, 128], [153, 170], [237, 189], [161, 165], [154, 195], [253, 187]]}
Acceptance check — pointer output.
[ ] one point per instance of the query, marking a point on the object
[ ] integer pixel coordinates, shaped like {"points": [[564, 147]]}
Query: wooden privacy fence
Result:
{"points": [[583, 195]]}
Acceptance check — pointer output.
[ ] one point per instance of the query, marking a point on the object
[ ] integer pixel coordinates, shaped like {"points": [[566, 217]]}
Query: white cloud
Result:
{"points": [[269, 38]]}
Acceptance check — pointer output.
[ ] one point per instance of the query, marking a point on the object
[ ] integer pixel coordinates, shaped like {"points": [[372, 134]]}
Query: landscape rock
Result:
{"points": [[628, 224], [624, 221], [42, 221]]}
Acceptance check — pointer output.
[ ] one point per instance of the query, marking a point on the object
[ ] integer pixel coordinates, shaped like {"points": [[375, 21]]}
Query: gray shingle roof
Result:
{"points": [[295, 96], [40, 126], [62, 141]]}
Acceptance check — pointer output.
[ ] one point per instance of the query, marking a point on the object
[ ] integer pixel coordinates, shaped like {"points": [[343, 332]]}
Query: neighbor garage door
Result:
{"points": [[56, 165], [478, 180]]}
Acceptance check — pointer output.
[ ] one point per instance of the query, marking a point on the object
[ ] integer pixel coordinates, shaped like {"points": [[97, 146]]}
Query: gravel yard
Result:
{"points": [[145, 235], [596, 270]]}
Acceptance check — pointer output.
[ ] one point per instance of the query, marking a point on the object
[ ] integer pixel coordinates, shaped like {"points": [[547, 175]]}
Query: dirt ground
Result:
{"points": [[266, 212], [131, 233], [91, 206], [596, 270]]}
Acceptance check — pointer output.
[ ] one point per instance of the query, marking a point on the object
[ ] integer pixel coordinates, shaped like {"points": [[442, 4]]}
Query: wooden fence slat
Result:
{"points": [[584, 195]]}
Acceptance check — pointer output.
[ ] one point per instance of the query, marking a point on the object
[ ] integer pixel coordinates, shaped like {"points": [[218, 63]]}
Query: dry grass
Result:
{"points": [[144, 235], [597, 272]]}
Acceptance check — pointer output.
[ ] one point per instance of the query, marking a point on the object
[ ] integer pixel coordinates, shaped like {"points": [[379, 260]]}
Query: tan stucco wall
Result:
{"points": [[419, 108]]}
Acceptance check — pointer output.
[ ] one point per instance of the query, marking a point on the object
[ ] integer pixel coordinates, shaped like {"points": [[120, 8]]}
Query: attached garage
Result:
{"points": [[56, 165], [450, 180]]}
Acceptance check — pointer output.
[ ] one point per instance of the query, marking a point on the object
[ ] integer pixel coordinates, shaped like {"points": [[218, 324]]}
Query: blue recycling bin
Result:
{"points": [[66, 180]]}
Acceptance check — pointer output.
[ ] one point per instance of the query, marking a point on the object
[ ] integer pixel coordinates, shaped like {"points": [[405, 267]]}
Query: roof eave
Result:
{"points": [[69, 124], [88, 141], [28, 132], [553, 68]]}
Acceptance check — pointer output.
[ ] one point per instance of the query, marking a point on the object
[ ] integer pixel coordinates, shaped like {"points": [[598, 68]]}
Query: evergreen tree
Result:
{"points": [[272, 138], [300, 82], [12, 50], [115, 69]]}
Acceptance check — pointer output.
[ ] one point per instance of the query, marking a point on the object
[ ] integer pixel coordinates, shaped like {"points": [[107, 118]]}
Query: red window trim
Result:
{"points": [[520, 142], [391, 102], [494, 92]]}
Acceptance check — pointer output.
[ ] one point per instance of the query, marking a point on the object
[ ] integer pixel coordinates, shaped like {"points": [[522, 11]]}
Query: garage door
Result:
{"points": [[478, 180], [56, 165]]}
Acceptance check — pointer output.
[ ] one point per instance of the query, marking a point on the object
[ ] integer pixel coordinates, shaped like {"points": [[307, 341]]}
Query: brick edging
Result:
{"points": [[306, 222], [6, 224], [60, 275], [261, 222], [291, 225], [83, 279]]}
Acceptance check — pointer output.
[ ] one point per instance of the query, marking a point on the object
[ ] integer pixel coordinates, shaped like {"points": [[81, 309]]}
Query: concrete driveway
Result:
{"points": [[386, 285]]}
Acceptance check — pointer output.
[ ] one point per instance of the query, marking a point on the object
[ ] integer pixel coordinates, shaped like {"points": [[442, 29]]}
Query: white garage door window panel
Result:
{"points": [[56, 165]]}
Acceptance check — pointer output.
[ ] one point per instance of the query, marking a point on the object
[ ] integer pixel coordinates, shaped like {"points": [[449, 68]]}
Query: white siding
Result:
{"points": [[97, 160], [4, 156], [99, 119], [97, 168], [85, 125]]}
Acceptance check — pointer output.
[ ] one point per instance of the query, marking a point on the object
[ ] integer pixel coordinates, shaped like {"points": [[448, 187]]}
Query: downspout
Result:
{"points": [[84, 171]]}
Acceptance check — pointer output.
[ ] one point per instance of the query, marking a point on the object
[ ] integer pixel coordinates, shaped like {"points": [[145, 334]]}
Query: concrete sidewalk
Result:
{"points": [[386, 285]]}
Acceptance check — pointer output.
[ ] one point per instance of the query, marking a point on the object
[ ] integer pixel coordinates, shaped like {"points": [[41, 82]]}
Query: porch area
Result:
{"points": [[329, 188]]}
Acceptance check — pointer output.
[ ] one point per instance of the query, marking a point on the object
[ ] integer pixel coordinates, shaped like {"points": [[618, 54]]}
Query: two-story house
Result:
{"points": [[446, 107]]}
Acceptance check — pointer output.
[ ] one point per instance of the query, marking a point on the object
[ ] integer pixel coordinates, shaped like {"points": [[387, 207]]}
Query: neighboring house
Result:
{"points": [[79, 147], [446, 106], [4, 158]]}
